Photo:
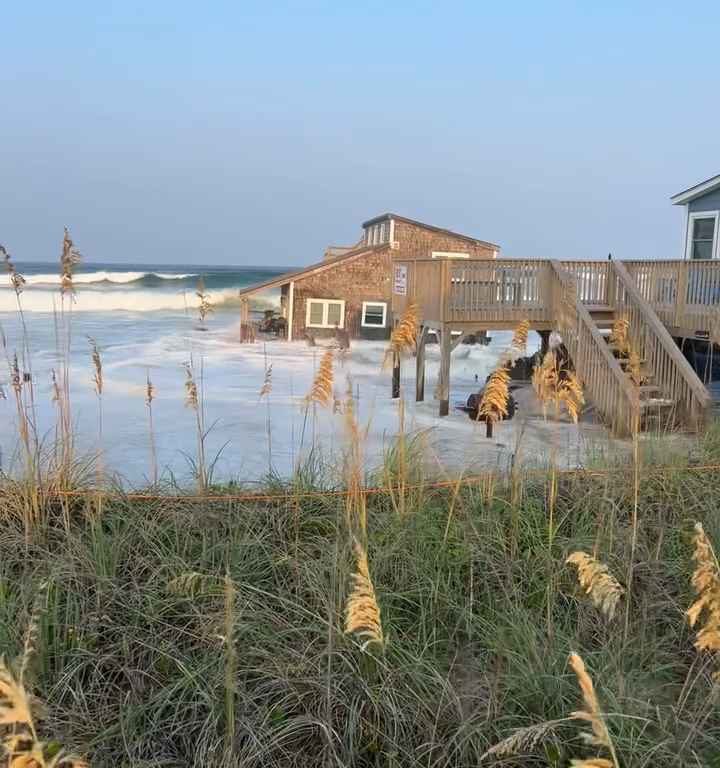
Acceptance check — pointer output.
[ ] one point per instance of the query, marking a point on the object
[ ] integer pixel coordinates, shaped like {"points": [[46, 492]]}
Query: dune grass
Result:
{"points": [[194, 633]]}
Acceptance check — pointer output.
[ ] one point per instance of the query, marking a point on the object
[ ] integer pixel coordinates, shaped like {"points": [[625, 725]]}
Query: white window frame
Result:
{"points": [[326, 303], [715, 254], [449, 255], [382, 304]]}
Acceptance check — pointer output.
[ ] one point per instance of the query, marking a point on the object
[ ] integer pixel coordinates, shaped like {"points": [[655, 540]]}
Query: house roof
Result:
{"points": [[429, 227], [320, 266], [688, 195]]}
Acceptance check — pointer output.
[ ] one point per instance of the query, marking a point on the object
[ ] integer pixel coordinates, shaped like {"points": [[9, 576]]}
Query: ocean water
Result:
{"points": [[144, 320]]}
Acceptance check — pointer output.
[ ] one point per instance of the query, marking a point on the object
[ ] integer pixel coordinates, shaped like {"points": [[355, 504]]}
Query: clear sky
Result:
{"points": [[259, 132]]}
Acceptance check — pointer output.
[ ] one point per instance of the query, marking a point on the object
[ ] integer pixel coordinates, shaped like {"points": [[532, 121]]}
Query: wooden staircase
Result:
{"points": [[657, 388]]}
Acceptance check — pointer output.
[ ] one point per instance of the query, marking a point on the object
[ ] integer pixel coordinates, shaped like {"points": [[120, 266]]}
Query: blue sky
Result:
{"points": [[258, 133]]}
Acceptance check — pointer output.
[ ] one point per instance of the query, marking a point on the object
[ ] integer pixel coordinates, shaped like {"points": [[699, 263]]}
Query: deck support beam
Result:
{"points": [[544, 342], [420, 366], [444, 382]]}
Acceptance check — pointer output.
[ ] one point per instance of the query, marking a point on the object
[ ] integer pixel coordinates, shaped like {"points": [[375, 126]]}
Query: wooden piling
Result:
{"points": [[445, 349]]}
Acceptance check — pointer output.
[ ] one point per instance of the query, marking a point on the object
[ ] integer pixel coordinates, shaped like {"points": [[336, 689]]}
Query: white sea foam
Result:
{"points": [[102, 276], [139, 300]]}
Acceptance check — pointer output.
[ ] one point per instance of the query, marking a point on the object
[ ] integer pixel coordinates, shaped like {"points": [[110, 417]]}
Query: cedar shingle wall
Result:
{"points": [[418, 243], [364, 279]]}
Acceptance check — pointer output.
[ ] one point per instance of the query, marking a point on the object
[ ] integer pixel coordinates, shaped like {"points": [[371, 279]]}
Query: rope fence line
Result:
{"points": [[291, 495]]}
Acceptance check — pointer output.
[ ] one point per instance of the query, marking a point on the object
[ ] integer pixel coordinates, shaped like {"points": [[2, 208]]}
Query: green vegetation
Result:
{"points": [[182, 632]]}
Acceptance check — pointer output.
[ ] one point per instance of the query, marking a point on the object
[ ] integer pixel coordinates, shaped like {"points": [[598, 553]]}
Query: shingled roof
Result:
{"points": [[320, 266]]}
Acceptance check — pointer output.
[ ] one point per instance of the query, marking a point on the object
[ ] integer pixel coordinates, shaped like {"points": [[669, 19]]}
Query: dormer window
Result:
{"points": [[377, 234]]}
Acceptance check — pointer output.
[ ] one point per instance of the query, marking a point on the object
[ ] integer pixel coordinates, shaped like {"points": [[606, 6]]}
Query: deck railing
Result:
{"points": [[504, 290], [593, 281], [684, 294], [671, 372], [605, 382]]}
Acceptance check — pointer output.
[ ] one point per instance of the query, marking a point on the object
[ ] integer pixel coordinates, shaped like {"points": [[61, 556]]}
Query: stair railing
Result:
{"points": [[603, 379], [672, 374]]}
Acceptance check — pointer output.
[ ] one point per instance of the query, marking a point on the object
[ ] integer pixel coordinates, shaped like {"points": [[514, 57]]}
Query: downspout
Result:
{"points": [[291, 308]]}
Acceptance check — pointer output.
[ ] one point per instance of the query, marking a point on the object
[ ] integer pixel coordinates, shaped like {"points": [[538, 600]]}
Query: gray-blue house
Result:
{"points": [[702, 204]]}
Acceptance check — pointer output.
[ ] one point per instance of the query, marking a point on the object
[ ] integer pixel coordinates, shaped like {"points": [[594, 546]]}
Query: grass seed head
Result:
{"points": [[69, 259], [191, 390], [404, 336], [570, 394], [706, 583], [619, 335], [149, 391], [17, 281], [266, 388], [97, 365], [205, 306], [321, 391], [545, 378], [362, 612], [597, 581], [592, 713], [494, 403], [520, 337]]}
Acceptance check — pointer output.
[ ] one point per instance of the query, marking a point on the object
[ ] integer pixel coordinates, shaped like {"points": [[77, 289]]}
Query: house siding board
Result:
{"points": [[708, 202], [363, 279], [418, 243]]}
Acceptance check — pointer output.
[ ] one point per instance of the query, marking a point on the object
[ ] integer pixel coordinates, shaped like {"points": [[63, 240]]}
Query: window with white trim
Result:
{"points": [[374, 314], [703, 235], [325, 313], [377, 234]]}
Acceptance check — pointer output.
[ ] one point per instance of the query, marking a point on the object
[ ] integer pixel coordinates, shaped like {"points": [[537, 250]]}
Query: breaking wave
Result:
{"points": [[102, 276], [136, 300]]}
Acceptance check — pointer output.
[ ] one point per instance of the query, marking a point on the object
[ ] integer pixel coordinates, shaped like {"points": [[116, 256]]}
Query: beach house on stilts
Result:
{"points": [[351, 289]]}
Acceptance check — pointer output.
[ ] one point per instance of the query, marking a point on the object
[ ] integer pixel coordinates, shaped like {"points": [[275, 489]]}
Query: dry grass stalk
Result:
{"points": [[149, 397], [592, 762], [706, 583], [634, 366], [619, 335], [520, 337], [32, 633], [205, 307], [191, 390], [597, 581], [600, 736], [362, 612], [20, 744], [266, 388], [545, 378], [404, 336], [494, 403], [17, 281], [97, 366], [69, 259], [321, 391], [524, 740], [570, 394]]}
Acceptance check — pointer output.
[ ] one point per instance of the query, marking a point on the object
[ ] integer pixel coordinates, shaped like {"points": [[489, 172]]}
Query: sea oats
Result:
{"points": [[545, 379], [592, 713], [191, 390], [321, 391], [362, 612], [69, 259], [597, 581], [494, 402], [97, 366], [570, 394], [706, 583], [404, 336]]}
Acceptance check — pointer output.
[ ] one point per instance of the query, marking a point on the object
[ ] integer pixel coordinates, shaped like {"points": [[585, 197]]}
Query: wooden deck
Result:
{"points": [[578, 299]]}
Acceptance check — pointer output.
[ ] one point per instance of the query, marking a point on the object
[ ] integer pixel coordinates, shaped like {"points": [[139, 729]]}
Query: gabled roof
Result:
{"points": [[688, 195], [429, 227], [321, 266]]}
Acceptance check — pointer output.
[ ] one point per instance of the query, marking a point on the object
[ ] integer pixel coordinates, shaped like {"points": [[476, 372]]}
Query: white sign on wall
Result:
{"points": [[400, 281]]}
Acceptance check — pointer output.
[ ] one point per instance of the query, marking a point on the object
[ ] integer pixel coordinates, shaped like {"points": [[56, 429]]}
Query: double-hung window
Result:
{"points": [[374, 314], [703, 235], [325, 313]]}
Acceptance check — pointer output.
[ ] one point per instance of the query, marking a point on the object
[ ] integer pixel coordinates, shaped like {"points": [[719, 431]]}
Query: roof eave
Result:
{"points": [[703, 188]]}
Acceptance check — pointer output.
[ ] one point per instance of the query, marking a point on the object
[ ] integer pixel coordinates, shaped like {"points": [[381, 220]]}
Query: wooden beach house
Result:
{"points": [[351, 289]]}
